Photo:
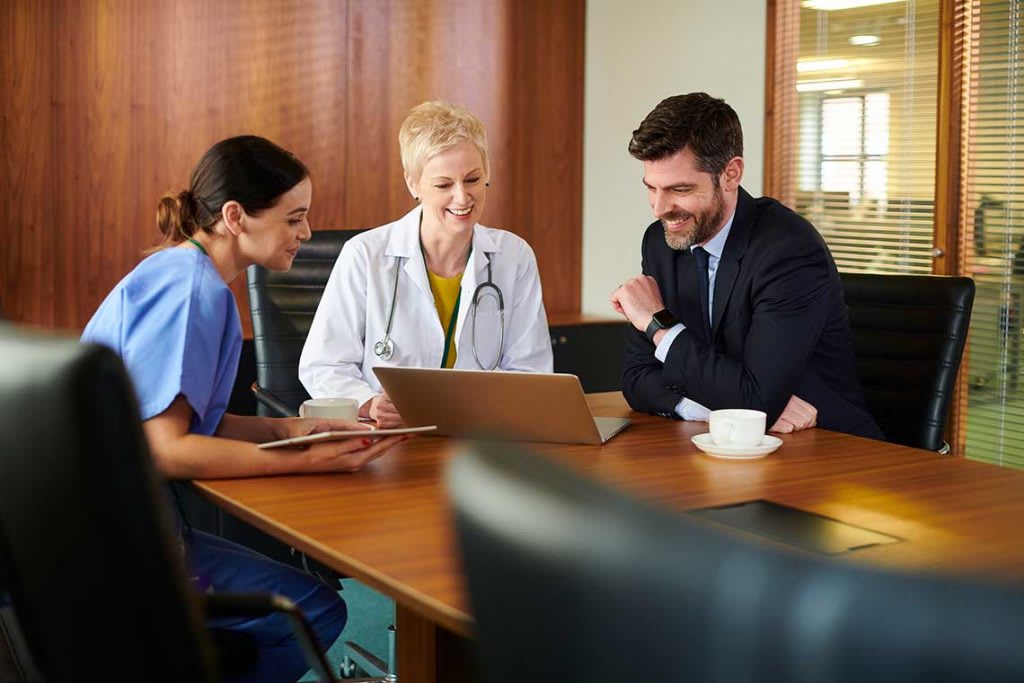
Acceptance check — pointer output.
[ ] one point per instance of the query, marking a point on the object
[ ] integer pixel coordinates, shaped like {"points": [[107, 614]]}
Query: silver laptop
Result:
{"points": [[522, 406]]}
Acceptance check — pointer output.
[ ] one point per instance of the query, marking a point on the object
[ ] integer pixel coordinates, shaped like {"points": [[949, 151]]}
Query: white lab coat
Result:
{"points": [[338, 359]]}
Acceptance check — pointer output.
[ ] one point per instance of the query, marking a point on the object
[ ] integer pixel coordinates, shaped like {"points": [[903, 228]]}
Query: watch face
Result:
{"points": [[662, 320], [665, 318]]}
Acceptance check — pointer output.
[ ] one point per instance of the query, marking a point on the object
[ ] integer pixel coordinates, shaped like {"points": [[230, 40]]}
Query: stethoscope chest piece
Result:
{"points": [[385, 348]]}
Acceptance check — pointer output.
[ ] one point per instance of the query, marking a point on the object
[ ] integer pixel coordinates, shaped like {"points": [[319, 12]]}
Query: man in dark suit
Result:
{"points": [[740, 304]]}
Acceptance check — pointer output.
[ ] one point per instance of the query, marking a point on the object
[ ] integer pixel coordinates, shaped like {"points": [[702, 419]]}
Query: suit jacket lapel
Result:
{"points": [[729, 266]]}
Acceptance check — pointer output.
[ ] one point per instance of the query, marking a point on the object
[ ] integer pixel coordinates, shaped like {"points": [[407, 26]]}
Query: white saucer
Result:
{"points": [[768, 444]]}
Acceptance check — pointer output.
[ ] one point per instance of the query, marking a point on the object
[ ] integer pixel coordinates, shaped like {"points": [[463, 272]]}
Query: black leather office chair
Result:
{"points": [[282, 307], [87, 549], [570, 580], [16, 665], [909, 333]]}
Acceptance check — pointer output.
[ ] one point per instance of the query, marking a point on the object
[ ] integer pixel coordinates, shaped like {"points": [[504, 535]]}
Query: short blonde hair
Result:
{"points": [[433, 127]]}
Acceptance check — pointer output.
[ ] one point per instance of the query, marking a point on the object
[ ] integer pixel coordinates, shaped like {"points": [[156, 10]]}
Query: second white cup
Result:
{"points": [[332, 408], [737, 427]]}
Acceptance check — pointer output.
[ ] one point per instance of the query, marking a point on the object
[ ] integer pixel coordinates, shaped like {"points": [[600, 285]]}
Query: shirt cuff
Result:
{"points": [[693, 411], [661, 351]]}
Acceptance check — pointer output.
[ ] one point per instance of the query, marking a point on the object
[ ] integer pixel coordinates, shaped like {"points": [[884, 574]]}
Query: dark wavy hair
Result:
{"points": [[705, 124], [248, 169]]}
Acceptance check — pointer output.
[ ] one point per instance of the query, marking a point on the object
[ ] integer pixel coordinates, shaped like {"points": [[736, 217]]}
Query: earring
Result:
{"points": [[487, 184], [415, 198]]}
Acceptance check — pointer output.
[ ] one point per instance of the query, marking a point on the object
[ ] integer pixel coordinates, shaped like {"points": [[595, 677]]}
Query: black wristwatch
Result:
{"points": [[662, 320]]}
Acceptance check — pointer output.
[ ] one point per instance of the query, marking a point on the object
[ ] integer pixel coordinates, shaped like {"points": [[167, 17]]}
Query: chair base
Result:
{"points": [[358, 658]]}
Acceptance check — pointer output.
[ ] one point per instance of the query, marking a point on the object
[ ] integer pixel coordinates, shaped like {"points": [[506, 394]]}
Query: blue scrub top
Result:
{"points": [[174, 323]]}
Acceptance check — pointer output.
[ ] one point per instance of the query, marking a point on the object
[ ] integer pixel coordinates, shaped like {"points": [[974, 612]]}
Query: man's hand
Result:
{"points": [[638, 299], [381, 409], [798, 415]]}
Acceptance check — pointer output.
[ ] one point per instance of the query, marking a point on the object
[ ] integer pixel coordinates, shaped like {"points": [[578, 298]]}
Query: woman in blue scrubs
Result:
{"points": [[175, 324]]}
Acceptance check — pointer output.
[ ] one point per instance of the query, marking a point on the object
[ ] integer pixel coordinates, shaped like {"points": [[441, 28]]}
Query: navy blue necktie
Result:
{"points": [[701, 258]]}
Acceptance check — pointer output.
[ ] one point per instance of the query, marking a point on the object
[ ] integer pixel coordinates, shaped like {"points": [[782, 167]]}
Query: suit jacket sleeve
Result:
{"points": [[642, 382], [791, 299]]}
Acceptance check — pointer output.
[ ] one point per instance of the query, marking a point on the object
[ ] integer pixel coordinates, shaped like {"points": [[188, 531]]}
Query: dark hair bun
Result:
{"points": [[175, 217]]}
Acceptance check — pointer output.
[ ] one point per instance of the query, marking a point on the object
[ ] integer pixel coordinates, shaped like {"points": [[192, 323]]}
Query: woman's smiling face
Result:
{"points": [[452, 188]]}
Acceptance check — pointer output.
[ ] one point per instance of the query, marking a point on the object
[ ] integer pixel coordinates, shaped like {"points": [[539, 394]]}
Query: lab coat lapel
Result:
{"points": [[404, 243]]}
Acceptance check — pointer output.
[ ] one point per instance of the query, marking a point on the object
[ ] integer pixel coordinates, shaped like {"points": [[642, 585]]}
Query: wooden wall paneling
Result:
{"points": [[91, 162], [519, 67], [380, 88], [781, 100], [107, 105], [26, 188], [949, 214], [403, 53], [177, 57], [546, 108], [271, 77], [322, 143], [947, 161], [218, 73]]}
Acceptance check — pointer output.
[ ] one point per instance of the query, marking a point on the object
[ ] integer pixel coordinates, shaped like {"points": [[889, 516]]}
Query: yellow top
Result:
{"points": [[446, 293]]}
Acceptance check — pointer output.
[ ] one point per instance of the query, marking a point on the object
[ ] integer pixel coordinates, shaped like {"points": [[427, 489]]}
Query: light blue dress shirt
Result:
{"points": [[687, 409]]}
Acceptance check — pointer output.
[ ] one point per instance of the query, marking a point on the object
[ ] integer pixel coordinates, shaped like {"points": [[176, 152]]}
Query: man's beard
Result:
{"points": [[704, 225]]}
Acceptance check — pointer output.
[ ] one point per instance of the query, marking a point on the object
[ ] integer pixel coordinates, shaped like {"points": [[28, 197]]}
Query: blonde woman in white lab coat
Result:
{"points": [[434, 288]]}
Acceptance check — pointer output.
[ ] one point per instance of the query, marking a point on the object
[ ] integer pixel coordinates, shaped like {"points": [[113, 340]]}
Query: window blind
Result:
{"points": [[992, 226], [863, 155]]}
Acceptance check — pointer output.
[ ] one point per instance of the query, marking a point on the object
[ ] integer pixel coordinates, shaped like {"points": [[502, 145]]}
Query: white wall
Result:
{"points": [[638, 53]]}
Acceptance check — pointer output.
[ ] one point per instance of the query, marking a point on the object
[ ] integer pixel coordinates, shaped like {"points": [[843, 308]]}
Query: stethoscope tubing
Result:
{"points": [[385, 348], [489, 283]]}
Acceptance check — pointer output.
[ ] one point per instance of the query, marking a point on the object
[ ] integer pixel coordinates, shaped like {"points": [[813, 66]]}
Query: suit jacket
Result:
{"points": [[779, 326]]}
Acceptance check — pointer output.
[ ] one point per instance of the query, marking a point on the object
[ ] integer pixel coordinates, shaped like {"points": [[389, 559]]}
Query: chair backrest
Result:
{"points": [[570, 580], [282, 307], [87, 548], [909, 333]]}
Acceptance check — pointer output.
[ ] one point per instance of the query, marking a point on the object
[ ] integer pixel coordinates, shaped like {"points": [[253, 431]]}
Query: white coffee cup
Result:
{"points": [[333, 408], [737, 427]]}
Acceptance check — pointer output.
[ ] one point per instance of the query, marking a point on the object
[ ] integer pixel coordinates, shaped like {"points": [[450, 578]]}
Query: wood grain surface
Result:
{"points": [[390, 526], [107, 105]]}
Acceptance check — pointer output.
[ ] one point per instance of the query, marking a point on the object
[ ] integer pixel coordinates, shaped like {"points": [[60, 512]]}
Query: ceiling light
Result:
{"points": [[864, 40], [816, 86], [831, 5], [808, 65]]}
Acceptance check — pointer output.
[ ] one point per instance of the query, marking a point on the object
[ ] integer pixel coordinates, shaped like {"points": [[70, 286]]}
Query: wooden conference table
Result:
{"points": [[389, 525]]}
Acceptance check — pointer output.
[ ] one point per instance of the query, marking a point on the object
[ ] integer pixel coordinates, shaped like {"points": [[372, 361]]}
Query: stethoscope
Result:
{"points": [[385, 348]]}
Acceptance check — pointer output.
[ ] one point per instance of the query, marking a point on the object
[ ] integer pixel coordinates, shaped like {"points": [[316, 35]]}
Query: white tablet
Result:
{"points": [[337, 435]]}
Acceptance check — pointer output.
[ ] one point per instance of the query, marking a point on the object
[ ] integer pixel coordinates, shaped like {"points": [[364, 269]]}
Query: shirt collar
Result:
{"points": [[716, 245], [404, 241]]}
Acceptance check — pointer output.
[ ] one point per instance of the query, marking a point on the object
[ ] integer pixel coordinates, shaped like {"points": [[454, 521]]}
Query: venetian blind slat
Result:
{"points": [[992, 220], [864, 150]]}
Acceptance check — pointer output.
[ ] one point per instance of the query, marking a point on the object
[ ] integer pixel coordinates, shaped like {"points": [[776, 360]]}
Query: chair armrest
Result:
{"points": [[271, 401], [263, 604]]}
